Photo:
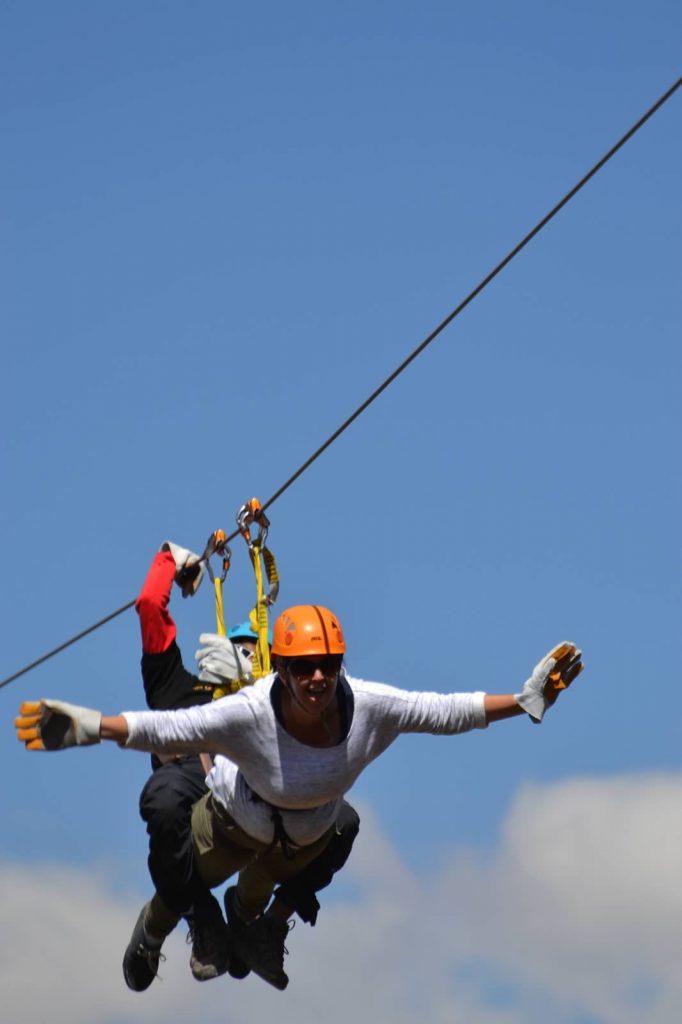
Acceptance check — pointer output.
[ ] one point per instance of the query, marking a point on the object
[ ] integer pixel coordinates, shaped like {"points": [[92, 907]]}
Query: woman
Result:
{"points": [[286, 751]]}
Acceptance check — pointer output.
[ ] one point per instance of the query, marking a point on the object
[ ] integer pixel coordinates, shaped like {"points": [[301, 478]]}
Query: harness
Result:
{"points": [[280, 834]]}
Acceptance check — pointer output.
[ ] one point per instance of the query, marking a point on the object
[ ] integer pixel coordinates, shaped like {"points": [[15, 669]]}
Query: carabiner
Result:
{"points": [[250, 513], [217, 545]]}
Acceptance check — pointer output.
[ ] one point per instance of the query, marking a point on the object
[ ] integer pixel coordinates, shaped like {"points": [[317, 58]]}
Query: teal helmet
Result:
{"points": [[244, 632]]}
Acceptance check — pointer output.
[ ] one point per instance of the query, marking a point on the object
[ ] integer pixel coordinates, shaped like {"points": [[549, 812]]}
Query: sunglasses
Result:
{"points": [[302, 668]]}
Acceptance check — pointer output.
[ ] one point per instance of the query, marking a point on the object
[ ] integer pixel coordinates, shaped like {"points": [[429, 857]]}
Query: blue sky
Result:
{"points": [[222, 228]]}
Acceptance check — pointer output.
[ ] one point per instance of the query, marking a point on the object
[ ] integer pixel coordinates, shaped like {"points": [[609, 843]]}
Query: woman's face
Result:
{"points": [[313, 681]]}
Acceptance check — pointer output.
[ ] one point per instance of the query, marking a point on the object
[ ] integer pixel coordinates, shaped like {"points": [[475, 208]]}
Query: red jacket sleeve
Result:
{"points": [[156, 622]]}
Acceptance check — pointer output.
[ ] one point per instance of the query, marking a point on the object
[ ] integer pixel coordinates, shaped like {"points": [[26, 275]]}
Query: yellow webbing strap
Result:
{"points": [[219, 613], [259, 615], [235, 684]]}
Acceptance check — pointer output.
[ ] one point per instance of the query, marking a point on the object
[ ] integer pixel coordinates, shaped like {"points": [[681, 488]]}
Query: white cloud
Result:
{"points": [[575, 916], [582, 902]]}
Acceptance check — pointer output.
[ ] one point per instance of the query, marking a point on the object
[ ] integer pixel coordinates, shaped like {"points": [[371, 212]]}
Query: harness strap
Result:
{"points": [[280, 835], [219, 612], [217, 544], [259, 614]]}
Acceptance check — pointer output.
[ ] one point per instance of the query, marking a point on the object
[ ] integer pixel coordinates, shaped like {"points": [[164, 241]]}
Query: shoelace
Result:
{"points": [[291, 924], [153, 958], [202, 940], [276, 924]]}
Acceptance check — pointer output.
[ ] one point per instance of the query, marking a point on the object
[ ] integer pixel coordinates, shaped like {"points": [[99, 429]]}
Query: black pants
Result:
{"points": [[165, 806]]}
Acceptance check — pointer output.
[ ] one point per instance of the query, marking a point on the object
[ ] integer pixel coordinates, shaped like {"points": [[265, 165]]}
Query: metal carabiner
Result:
{"points": [[217, 545], [250, 513]]}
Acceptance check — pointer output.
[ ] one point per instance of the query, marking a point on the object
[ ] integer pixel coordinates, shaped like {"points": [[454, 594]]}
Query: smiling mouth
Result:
{"points": [[319, 689]]}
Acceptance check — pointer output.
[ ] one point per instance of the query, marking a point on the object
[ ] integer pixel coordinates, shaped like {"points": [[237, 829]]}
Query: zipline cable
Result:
{"points": [[477, 290], [406, 362], [67, 643]]}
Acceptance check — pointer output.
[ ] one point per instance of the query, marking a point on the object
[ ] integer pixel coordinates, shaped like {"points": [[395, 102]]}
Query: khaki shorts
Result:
{"points": [[222, 848]]}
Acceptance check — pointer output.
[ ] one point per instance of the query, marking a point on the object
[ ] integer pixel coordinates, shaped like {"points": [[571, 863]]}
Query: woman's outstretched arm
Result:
{"points": [[114, 727], [501, 705]]}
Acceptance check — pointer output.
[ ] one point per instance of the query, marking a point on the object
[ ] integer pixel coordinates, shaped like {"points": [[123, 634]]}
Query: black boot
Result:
{"points": [[208, 935], [141, 959], [259, 945]]}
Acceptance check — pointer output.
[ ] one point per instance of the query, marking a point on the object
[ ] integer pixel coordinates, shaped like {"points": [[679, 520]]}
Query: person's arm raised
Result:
{"points": [[554, 673]]}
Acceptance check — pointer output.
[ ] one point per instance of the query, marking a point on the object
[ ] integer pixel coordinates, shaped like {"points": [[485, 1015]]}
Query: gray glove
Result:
{"points": [[56, 725], [554, 673], [220, 660], [189, 569]]}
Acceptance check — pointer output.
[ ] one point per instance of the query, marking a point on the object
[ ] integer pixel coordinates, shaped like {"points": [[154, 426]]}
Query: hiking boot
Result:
{"points": [[141, 960], [236, 967], [208, 935], [259, 945]]}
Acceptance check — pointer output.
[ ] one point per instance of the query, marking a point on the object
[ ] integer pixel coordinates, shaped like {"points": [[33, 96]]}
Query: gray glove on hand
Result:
{"points": [[220, 661], [189, 569], [56, 725], [554, 673]]}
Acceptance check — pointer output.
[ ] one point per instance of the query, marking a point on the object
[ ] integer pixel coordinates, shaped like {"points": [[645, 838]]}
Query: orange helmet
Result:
{"points": [[307, 629]]}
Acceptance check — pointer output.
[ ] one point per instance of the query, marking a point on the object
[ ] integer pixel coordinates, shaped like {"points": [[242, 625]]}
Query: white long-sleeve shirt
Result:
{"points": [[255, 754]]}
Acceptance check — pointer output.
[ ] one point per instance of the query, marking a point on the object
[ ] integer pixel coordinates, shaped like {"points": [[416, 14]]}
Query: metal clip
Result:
{"points": [[217, 545], [249, 514]]}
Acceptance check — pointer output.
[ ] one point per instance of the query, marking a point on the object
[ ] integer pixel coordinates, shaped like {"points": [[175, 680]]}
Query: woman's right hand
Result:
{"points": [[56, 725]]}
